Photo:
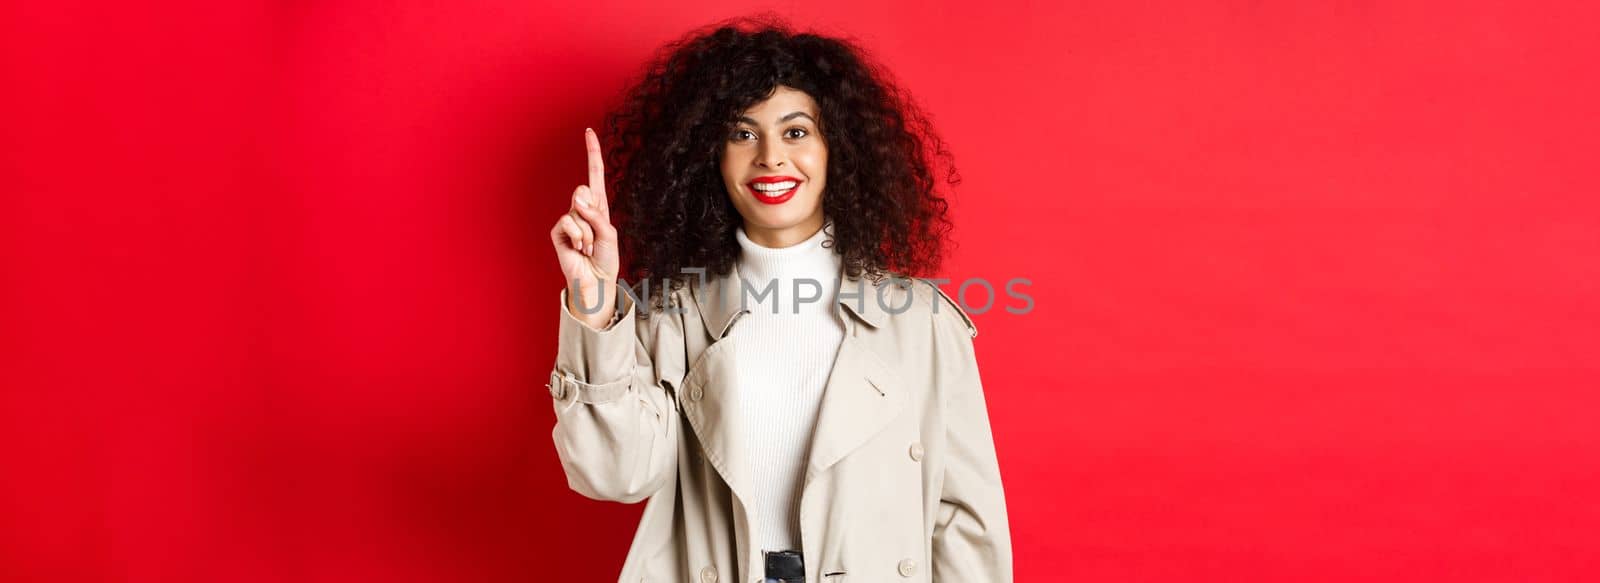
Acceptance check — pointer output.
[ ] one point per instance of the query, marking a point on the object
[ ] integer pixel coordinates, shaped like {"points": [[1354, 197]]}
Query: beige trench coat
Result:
{"points": [[902, 481]]}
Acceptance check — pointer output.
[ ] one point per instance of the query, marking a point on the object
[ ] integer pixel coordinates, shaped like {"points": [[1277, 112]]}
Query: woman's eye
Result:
{"points": [[740, 135]]}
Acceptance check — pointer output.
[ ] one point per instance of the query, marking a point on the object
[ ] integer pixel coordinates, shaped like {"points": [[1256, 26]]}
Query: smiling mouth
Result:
{"points": [[774, 189], [773, 192]]}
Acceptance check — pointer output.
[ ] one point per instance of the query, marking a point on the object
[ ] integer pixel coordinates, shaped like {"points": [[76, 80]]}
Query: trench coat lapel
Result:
{"points": [[862, 394], [861, 397], [710, 393]]}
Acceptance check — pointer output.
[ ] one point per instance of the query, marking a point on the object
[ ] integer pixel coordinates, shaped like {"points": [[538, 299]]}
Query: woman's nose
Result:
{"points": [[771, 158]]}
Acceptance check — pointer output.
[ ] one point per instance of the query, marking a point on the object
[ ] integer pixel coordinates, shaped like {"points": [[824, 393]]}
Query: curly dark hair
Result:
{"points": [[665, 142]]}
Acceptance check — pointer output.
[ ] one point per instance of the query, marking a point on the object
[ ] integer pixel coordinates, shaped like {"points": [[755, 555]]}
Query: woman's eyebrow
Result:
{"points": [[785, 118]]}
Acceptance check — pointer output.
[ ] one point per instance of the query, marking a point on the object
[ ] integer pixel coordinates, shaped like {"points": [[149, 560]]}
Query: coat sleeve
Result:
{"points": [[617, 424], [972, 534]]}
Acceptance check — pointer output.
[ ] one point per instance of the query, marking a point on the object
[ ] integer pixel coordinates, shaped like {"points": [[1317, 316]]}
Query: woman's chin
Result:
{"points": [[776, 217]]}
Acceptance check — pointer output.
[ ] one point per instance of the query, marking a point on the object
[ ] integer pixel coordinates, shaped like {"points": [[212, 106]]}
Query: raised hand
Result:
{"points": [[586, 244]]}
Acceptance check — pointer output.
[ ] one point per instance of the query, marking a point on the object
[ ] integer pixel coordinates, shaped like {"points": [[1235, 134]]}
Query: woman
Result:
{"points": [[793, 407]]}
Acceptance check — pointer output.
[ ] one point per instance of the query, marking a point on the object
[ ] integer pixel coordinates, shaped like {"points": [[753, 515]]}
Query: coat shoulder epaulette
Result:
{"points": [[951, 304]]}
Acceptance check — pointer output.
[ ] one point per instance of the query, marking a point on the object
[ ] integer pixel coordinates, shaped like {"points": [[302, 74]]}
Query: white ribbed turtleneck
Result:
{"points": [[783, 361]]}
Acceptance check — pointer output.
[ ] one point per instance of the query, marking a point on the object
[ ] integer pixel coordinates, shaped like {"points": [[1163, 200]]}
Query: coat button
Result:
{"points": [[695, 393], [907, 567], [708, 574], [916, 450]]}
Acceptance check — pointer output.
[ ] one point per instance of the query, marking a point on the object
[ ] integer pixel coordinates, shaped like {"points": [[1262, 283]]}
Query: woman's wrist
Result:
{"points": [[582, 301]]}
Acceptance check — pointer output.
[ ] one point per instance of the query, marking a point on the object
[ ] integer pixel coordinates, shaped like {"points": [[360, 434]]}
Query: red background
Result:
{"points": [[1315, 288]]}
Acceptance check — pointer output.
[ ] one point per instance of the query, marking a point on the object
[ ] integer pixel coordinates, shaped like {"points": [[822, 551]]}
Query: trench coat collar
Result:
{"points": [[720, 301]]}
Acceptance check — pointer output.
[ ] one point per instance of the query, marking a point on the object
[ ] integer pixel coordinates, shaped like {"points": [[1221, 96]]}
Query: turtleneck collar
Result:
{"points": [[808, 259]]}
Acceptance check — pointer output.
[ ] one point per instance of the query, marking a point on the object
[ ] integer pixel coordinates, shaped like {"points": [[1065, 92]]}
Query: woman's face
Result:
{"points": [[774, 166]]}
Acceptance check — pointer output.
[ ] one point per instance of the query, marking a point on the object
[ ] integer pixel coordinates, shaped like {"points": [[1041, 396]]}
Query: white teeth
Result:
{"points": [[775, 186]]}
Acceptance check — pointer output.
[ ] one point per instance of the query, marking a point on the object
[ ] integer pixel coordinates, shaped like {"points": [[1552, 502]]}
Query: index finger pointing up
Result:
{"points": [[597, 172]]}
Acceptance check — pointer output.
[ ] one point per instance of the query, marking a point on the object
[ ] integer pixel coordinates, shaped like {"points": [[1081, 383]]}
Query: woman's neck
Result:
{"points": [[813, 258]]}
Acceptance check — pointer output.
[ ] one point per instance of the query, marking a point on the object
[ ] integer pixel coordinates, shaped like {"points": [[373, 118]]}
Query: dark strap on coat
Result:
{"points": [[786, 565]]}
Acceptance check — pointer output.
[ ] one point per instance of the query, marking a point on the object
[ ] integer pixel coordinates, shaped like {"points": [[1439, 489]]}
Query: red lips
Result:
{"points": [[768, 197]]}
